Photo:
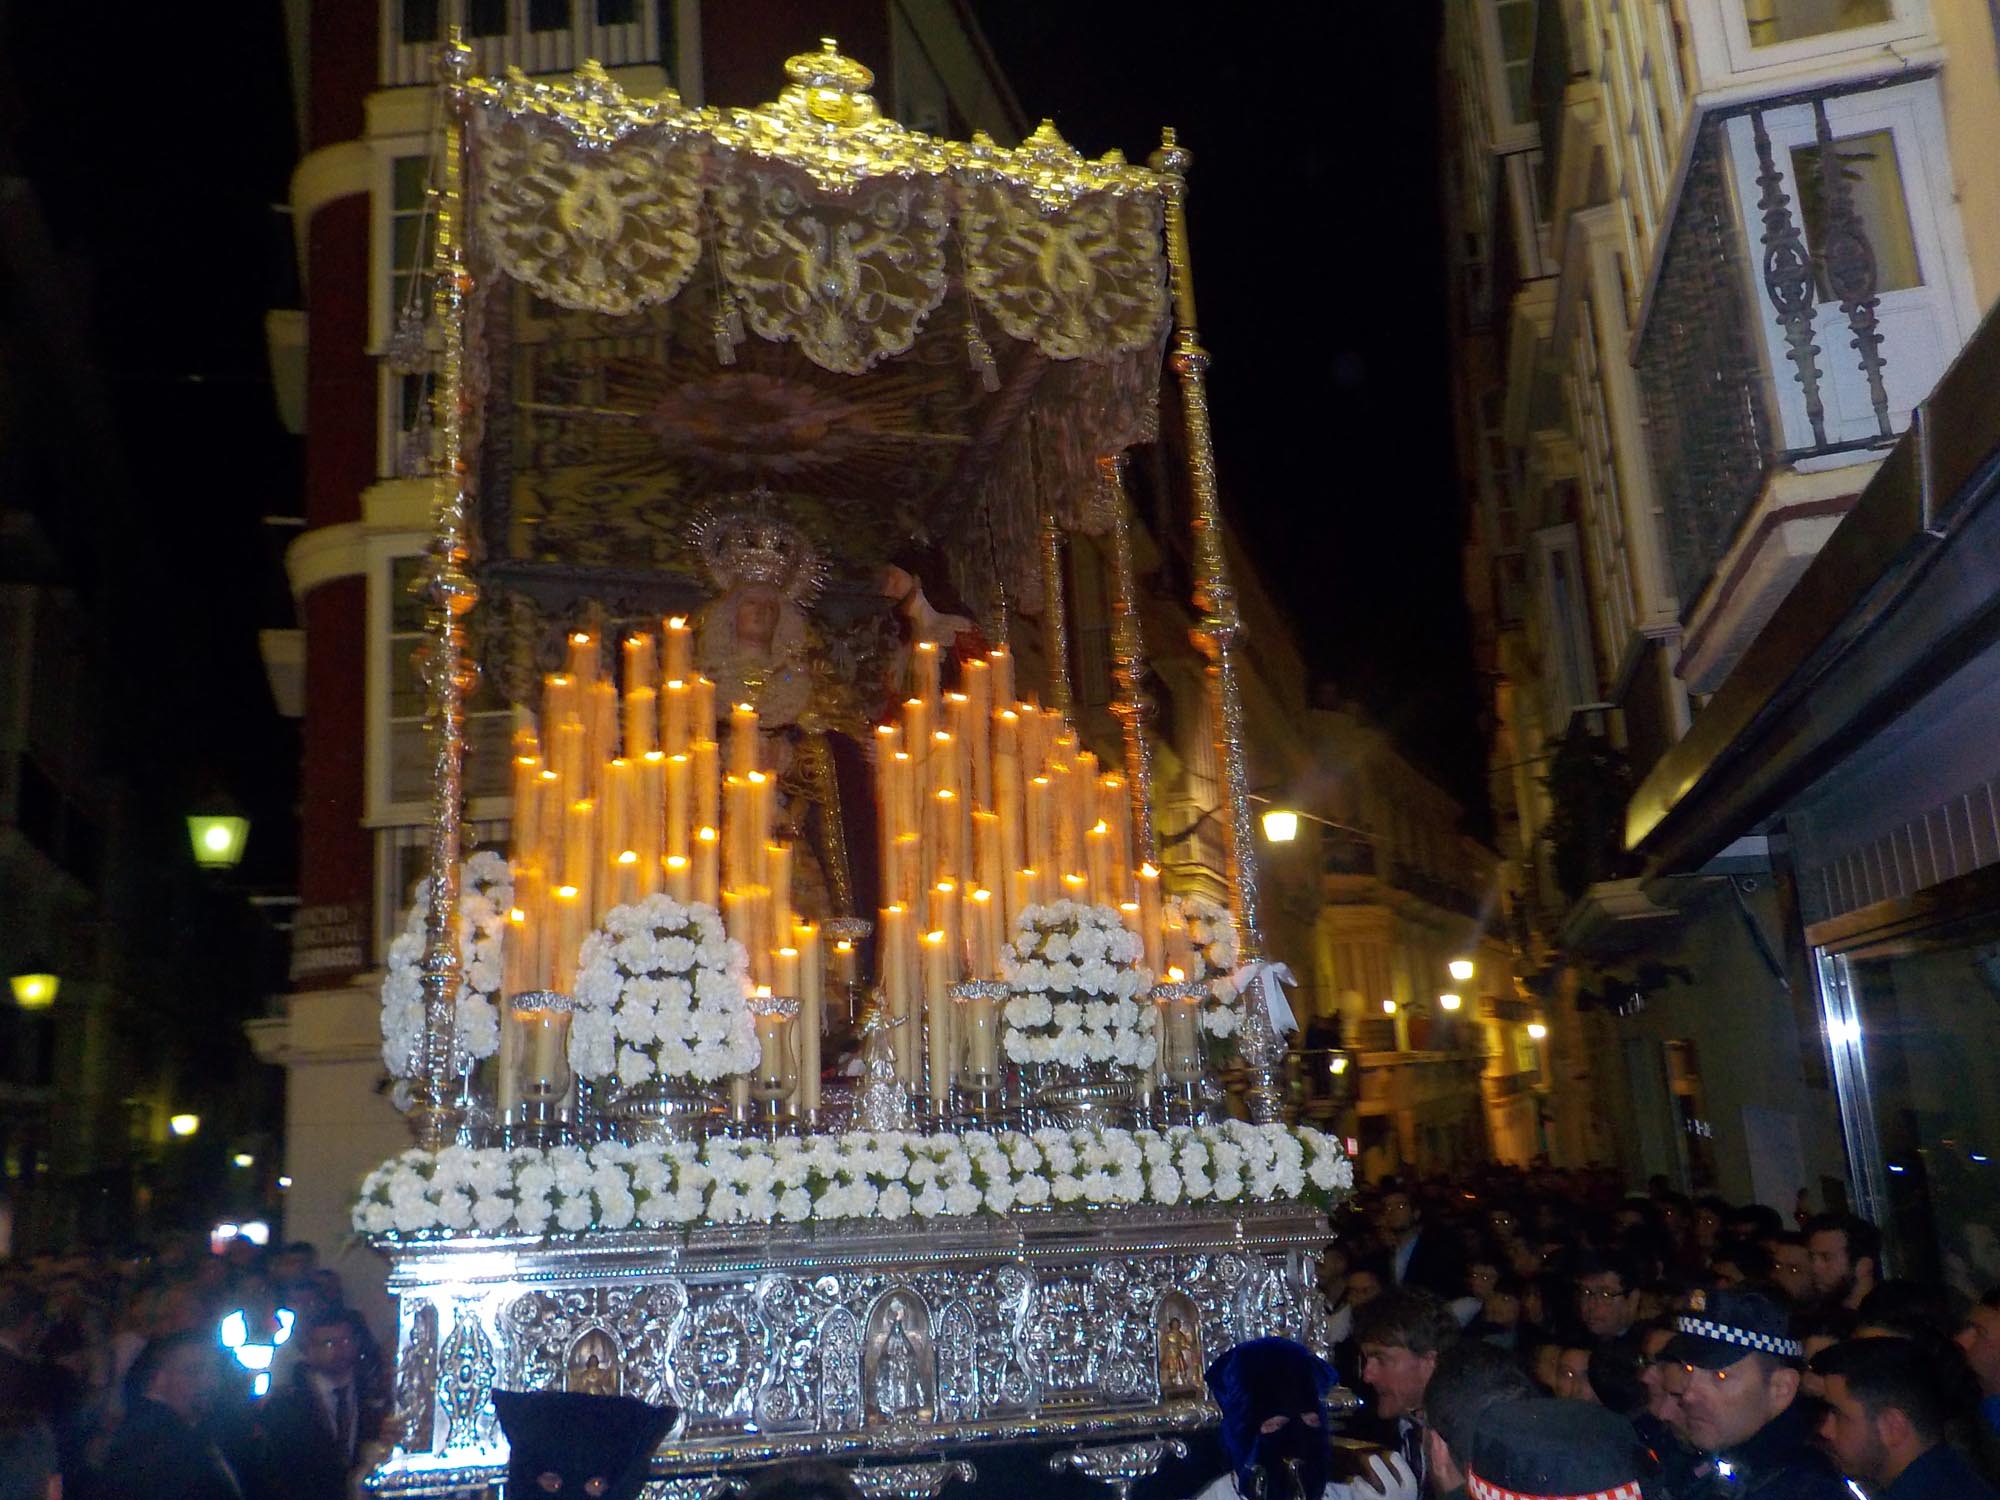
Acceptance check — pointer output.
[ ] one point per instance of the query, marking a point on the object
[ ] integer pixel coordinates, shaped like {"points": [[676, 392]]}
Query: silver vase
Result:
{"points": [[663, 1110], [1094, 1094]]}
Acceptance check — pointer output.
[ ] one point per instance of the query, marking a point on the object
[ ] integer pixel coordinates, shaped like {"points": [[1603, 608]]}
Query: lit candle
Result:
{"points": [[614, 840], [704, 771], [579, 848], [679, 647], [1026, 891], [778, 876], [678, 804], [572, 925], [977, 731], [742, 739], [945, 916], [937, 1016], [985, 935], [677, 870], [1116, 807], [1097, 863], [1150, 918], [707, 865], [583, 658], [976, 1023], [1041, 821], [925, 667], [812, 1008], [649, 831], [989, 861], [701, 709], [625, 878], [916, 729], [896, 983], [558, 698], [676, 703], [1003, 674], [600, 724]]}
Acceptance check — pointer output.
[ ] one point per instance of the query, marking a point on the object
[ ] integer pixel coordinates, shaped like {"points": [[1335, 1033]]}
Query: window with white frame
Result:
{"points": [[1888, 145], [399, 772], [1569, 676], [1516, 20], [1772, 22], [409, 185], [1604, 503], [1774, 33]]}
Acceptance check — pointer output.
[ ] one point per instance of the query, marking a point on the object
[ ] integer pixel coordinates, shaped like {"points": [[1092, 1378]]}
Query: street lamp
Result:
{"points": [[1450, 1002], [184, 1125], [244, 1159], [1281, 825], [1461, 969], [218, 830], [35, 986], [1538, 1031]]}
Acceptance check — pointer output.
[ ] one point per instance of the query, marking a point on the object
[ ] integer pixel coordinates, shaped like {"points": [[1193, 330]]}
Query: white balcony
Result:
{"points": [[536, 36]]}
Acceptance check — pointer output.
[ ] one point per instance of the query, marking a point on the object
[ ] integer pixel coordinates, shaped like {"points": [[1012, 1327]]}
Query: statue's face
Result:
{"points": [[757, 613]]}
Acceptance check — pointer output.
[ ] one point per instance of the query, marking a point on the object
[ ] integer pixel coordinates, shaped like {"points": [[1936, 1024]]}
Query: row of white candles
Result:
{"points": [[624, 793], [987, 805]]}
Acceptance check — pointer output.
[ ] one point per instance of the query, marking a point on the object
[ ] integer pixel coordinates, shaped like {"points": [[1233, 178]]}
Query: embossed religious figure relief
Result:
{"points": [[593, 1365], [897, 1387], [898, 1367], [1180, 1358]]}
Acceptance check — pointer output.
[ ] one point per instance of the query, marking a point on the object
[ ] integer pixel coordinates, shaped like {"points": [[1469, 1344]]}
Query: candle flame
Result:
{"points": [[902, 755], [705, 835], [677, 861], [956, 698], [746, 708], [934, 937], [628, 857], [982, 895], [677, 685], [619, 760], [885, 728], [1041, 781], [549, 776], [1101, 827], [677, 622], [566, 892], [581, 638], [927, 645], [896, 907], [1175, 974], [843, 946], [1009, 715], [788, 953], [763, 992], [680, 756], [638, 640], [659, 755], [527, 760], [515, 914], [582, 804], [1076, 880], [1112, 783], [1148, 872], [946, 794], [757, 778], [913, 703], [946, 887], [1027, 872], [558, 679], [942, 736], [1129, 906]]}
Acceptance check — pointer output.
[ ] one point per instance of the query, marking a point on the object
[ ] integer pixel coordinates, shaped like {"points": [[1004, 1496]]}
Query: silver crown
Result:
{"points": [[746, 539]]}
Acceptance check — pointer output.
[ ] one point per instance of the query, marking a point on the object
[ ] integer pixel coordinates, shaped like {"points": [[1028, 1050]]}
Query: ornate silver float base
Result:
{"points": [[862, 1341], [1074, 1102], [663, 1110]]}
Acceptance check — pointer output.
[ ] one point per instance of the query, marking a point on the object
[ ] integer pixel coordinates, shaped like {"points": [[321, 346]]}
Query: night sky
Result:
{"points": [[1318, 265], [1320, 278]]}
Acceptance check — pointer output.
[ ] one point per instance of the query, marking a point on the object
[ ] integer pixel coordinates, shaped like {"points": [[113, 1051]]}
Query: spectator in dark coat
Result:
{"points": [[311, 1431], [163, 1450]]}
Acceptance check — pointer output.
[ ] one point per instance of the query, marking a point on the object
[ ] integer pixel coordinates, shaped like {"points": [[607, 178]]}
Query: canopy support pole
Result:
{"points": [[445, 662], [1128, 660], [1217, 635]]}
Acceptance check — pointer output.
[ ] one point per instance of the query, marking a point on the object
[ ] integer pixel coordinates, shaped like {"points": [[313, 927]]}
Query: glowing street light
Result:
{"points": [[1461, 969], [34, 989], [1281, 825], [1388, 1007], [218, 837], [1538, 1031], [244, 1159], [184, 1125], [1450, 1002]]}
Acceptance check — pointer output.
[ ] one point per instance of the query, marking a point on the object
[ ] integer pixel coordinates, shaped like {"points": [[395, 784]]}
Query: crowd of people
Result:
{"points": [[117, 1381], [1512, 1335], [1736, 1354]]}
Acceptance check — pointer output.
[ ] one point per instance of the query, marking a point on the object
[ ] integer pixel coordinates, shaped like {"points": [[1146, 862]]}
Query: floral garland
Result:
{"points": [[607, 1186], [1212, 934], [485, 895], [1077, 976], [661, 991]]}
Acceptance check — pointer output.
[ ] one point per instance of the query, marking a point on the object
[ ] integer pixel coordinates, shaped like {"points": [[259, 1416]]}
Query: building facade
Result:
{"points": [[1713, 258]]}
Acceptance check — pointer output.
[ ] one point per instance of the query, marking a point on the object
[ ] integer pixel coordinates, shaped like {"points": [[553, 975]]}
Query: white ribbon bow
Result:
{"points": [[1274, 975]]}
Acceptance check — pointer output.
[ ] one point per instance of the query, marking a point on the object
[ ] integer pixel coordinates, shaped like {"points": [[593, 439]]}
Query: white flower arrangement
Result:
{"points": [[661, 991], [1079, 988], [790, 1179], [485, 895], [1212, 935]]}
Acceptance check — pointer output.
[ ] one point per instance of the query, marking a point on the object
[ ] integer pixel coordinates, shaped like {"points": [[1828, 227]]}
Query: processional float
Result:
{"points": [[702, 380]]}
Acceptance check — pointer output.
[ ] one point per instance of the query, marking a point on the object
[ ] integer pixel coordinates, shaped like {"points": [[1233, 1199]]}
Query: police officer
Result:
{"points": [[1742, 1404]]}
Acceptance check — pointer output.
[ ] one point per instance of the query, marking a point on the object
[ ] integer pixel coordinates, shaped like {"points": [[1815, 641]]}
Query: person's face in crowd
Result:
{"points": [[1398, 1215], [185, 1382], [1397, 1376], [1725, 1407], [331, 1351], [1670, 1217], [1980, 1339], [1832, 1268], [1502, 1224], [1501, 1309], [1573, 1376], [1607, 1306], [1363, 1287], [1548, 1367], [1792, 1271], [1673, 1400], [1652, 1374], [1707, 1227], [1858, 1439], [1480, 1279]]}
